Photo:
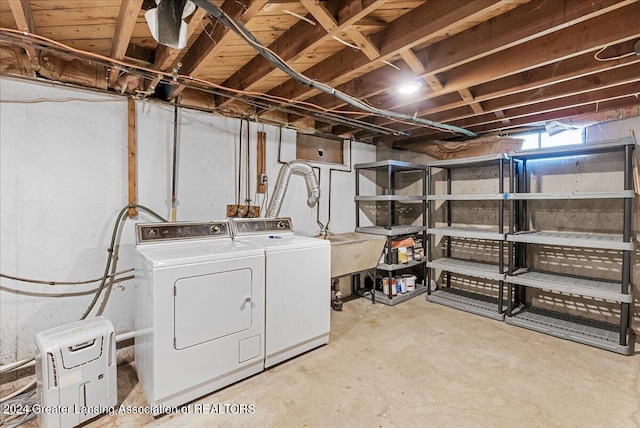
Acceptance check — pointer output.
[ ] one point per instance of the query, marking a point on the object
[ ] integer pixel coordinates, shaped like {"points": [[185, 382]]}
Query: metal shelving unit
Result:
{"points": [[572, 239], [476, 303], [393, 228], [521, 276]]}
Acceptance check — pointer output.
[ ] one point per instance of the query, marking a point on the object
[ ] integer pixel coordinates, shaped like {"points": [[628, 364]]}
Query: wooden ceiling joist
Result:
{"points": [[532, 83], [431, 22], [615, 27], [165, 55], [533, 20], [215, 38], [329, 23], [301, 39], [129, 11], [460, 116], [418, 68], [534, 119], [522, 114], [364, 43], [486, 64], [23, 16], [466, 95]]}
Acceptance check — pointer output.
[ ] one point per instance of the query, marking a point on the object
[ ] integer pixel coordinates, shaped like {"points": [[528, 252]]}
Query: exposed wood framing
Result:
{"points": [[165, 56], [261, 162], [534, 20], [488, 65], [578, 69], [431, 22], [329, 23], [364, 43], [321, 14], [552, 109], [466, 95], [127, 17], [215, 38], [296, 42], [417, 67], [132, 151], [22, 14], [500, 115], [615, 27]]}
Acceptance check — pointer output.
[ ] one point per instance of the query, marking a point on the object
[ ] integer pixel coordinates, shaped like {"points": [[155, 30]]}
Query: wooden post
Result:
{"points": [[133, 153], [261, 162]]}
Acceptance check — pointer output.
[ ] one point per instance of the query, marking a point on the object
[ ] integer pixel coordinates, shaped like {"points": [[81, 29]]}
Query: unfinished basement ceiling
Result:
{"points": [[486, 66]]}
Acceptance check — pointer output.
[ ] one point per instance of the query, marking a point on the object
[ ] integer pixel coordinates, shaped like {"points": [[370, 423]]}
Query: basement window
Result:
{"points": [[541, 139]]}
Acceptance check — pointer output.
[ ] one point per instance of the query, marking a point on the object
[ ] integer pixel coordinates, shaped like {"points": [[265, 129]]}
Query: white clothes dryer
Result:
{"points": [[298, 286], [199, 306]]}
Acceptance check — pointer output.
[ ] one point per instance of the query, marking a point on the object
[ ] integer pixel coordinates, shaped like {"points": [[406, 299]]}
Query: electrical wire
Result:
{"points": [[613, 58], [174, 174], [304, 18], [21, 364], [88, 281], [338, 39], [392, 65], [239, 29], [14, 366], [19, 391], [238, 185], [114, 235], [58, 100], [152, 73], [24, 401], [186, 80], [248, 171], [260, 100]]}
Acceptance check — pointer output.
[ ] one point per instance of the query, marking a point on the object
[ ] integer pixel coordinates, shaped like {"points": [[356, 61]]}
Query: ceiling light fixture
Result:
{"points": [[409, 87]]}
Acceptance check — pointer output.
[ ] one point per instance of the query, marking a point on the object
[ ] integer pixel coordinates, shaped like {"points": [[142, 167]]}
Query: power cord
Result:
{"points": [[116, 227], [103, 280], [21, 400]]}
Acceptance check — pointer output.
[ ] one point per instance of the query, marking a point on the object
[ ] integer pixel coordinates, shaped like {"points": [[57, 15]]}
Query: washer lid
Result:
{"points": [[284, 241], [180, 253]]}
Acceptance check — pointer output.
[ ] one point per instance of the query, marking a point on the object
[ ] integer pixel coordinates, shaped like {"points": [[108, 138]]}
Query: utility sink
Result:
{"points": [[354, 252]]}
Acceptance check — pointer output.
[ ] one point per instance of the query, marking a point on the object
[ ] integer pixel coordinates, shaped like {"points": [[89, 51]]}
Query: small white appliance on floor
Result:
{"points": [[298, 286], [199, 311], [76, 372]]}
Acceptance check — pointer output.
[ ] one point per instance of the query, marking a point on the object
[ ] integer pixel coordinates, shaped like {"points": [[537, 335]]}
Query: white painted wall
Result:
{"points": [[614, 129], [64, 179]]}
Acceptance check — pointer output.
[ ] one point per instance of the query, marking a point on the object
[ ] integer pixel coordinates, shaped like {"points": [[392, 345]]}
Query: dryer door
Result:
{"points": [[212, 306]]}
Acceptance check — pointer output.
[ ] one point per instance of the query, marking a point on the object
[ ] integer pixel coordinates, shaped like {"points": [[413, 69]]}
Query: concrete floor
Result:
{"points": [[421, 364]]}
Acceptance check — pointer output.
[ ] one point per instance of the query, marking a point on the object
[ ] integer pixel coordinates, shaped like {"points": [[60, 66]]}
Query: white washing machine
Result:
{"points": [[199, 311], [298, 286]]}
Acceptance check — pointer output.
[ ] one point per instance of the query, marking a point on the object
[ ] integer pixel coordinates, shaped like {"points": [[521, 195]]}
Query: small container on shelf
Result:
{"points": [[404, 251]]}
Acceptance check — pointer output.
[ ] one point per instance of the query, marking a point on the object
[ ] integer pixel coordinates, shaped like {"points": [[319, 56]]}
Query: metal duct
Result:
{"points": [[299, 167]]}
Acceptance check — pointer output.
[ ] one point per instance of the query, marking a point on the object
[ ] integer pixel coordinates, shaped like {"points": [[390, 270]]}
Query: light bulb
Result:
{"points": [[409, 87]]}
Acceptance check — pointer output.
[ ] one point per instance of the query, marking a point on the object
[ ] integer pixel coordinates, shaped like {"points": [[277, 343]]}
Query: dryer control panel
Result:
{"points": [[178, 231], [255, 226]]}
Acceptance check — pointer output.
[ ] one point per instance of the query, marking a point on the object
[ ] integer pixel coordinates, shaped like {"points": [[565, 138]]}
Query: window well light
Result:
{"points": [[409, 87]]}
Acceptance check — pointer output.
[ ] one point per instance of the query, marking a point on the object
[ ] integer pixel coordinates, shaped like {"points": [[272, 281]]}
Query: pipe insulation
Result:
{"points": [[298, 167]]}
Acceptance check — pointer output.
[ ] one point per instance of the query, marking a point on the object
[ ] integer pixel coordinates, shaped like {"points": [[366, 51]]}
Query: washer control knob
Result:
{"points": [[215, 228], [281, 225]]}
